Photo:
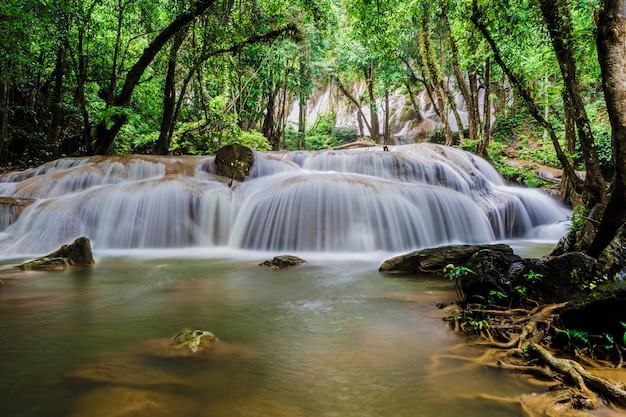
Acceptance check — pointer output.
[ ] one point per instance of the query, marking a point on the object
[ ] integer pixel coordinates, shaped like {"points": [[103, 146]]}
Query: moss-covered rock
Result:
{"points": [[598, 310], [77, 253], [283, 261], [234, 161], [193, 342]]}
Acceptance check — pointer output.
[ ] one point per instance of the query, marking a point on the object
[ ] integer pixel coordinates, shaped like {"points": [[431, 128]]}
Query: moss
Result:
{"points": [[45, 263], [193, 341]]}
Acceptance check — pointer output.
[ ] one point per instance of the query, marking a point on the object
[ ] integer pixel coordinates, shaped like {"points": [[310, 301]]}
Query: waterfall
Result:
{"points": [[353, 200]]}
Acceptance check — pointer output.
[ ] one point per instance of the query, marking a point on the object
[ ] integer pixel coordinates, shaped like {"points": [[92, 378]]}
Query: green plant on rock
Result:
{"points": [[455, 273], [596, 282], [533, 276]]}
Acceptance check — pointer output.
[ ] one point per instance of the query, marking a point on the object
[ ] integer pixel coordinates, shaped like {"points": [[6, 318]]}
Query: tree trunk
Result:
{"points": [[558, 21], [431, 72], [369, 79], [611, 41], [106, 132], [79, 93], [525, 95], [304, 80], [56, 119], [473, 112], [485, 129], [448, 93], [169, 97], [4, 122], [570, 143], [460, 79], [361, 117], [387, 135], [302, 122], [416, 107]]}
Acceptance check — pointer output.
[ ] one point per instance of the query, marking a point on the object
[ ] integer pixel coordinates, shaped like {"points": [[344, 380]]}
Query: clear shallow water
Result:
{"points": [[329, 338]]}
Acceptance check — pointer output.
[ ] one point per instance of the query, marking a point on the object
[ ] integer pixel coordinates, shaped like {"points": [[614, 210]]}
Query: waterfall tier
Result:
{"points": [[355, 200]]}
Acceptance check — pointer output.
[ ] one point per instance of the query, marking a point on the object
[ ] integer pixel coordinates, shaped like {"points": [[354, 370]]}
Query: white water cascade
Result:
{"points": [[356, 200]]}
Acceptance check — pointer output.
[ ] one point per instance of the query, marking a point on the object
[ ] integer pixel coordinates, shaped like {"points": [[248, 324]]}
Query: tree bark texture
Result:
{"points": [[611, 41]]}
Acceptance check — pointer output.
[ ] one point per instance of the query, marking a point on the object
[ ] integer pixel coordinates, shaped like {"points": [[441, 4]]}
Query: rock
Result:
{"points": [[128, 375], [11, 208], [557, 278], [433, 260], [77, 253], [193, 342], [123, 401], [186, 344], [598, 311], [234, 161], [491, 270], [283, 261], [564, 276]]}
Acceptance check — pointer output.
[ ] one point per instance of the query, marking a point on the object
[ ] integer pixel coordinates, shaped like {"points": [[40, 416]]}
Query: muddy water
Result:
{"points": [[329, 338]]}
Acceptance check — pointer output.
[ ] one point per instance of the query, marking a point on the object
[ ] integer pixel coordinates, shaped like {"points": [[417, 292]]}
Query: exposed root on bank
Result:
{"points": [[521, 341]]}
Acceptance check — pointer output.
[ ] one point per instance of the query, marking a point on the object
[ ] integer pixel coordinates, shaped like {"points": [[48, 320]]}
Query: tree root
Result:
{"points": [[614, 392], [516, 341]]}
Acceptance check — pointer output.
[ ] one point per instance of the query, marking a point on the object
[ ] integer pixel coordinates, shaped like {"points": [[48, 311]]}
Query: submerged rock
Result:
{"points": [[77, 253], [283, 261], [186, 344], [125, 401], [193, 342], [128, 375]]}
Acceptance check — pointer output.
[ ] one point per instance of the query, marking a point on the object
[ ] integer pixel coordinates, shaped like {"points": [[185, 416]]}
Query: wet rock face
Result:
{"points": [[234, 161], [77, 253]]}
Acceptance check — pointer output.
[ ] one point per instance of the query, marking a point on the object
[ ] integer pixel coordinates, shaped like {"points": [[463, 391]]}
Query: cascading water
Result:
{"points": [[355, 200]]}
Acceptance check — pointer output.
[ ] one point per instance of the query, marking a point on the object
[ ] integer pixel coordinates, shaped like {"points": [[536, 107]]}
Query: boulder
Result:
{"points": [[563, 276], [491, 271], [552, 279], [598, 311], [283, 261], [77, 253], [234, 161], [433, 260]]}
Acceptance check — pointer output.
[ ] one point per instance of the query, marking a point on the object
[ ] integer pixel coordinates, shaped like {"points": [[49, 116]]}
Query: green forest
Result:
{"points": [[94, 77], [138, 76]]}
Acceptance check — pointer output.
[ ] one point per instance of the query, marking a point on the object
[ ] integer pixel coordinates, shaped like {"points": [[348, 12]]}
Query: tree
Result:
{"points": [[611, 41], [106, 130]]}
